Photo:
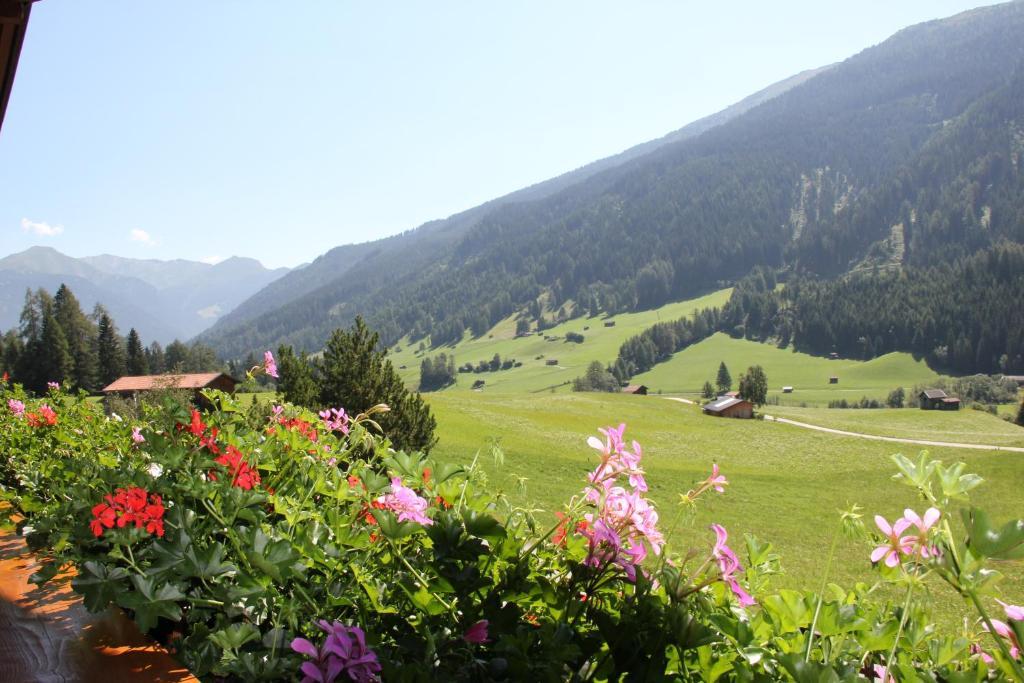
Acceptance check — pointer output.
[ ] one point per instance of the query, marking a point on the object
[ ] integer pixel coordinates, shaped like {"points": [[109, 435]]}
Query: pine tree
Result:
{"points": [[1020, 414], [724, 379], [109, 351], [29, 373], [356, 376], [136, 358], [296, 381], [155, 358], [176, 357], [80, 332], [54, 362]]}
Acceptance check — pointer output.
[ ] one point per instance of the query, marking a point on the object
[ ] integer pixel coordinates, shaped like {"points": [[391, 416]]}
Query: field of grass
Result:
{"points": [[809, 375], [600, 343], [962, 426], [786, 483]]}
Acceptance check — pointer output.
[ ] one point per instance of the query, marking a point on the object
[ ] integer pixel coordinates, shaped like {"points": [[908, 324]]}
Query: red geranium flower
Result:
{"points": [[129, 506]]}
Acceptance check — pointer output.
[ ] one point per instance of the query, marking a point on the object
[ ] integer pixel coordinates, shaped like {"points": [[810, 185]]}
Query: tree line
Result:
{"points": [[57, 342]]}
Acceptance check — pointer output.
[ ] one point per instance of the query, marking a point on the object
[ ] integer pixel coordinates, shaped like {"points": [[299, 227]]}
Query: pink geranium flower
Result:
{"points": [[1013, 612], [53, 385], [269, 365], [897, 545], [923, 527], [16, 407], [335, 419], [405, 503], [137, 436], [729, 565], [716, 480], [1004, 631], [477, 633]]}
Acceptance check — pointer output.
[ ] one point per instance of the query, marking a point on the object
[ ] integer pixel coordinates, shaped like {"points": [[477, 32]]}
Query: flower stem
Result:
{"points": [[899, 631], [991, 629], [821, 591]]}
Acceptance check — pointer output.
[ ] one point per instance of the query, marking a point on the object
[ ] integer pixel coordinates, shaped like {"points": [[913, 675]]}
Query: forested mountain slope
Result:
{"points": [[908, 152], [429, 242]]}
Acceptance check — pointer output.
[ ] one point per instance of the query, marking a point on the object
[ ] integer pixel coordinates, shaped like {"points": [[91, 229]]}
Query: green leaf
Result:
{"points": [[954, 483], [273, 557], [789, 609], [99, 585], [207, 563], [1006, 543], [235, 636], [808, 672], [391, 527], [150, 602], [483, 526]]}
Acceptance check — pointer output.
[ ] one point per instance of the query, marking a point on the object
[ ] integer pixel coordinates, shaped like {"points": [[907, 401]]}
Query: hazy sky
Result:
{"points": [[207, 128]]}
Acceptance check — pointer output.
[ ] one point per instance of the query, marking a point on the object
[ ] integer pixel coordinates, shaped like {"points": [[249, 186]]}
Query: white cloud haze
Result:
{"points": [[40, 228], [212, 260], [142, 236]]}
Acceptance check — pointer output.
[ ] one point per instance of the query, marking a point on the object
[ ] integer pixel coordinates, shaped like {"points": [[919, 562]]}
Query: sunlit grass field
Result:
{"points": [[961, 426], [786, 483], [809, 375], [600, 343]]}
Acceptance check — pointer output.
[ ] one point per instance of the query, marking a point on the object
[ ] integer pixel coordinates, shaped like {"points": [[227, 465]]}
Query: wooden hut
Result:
{"points": [[638, 389], [131, 386], [728, 406], [936, 399]]}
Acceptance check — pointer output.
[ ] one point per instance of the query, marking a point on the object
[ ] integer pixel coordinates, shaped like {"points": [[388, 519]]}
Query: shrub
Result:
{"points": [[279, 542]]}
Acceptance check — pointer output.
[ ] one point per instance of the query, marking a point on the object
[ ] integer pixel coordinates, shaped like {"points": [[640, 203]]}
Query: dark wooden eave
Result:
{"points": [[13, 21]]}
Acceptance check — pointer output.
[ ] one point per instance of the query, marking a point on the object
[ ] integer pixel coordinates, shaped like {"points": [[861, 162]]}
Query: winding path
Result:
{"points": [[875, 437]]}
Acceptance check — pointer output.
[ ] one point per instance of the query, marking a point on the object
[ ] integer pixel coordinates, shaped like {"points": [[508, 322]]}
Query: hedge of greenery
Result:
{"points": [[279, 544]]}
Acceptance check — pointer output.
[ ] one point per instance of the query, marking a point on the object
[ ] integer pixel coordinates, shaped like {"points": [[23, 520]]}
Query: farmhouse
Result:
{"points": [[730, 394], [833, 356], [638, 389], [728, 406], [609, 323], [1019, 379], [936, 399], [132, 386], [551, 361], [787, 390], [833, 380]]}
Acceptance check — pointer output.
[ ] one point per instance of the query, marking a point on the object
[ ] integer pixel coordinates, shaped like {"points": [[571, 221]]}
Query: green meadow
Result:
{"points": [[962, 426], [809, 375], [787, 484], [600, 343]]}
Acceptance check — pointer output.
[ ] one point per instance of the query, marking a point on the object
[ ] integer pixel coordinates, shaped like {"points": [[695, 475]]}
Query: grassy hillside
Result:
{"points": [[600, 343], [809, 375], [786, 482], [962, 426]]}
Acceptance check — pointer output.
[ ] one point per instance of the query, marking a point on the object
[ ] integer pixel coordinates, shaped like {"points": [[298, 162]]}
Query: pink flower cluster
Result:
{"points": [[16, 407], [624, 527], [269, 365], [729, 564], [897, 546], [404, 502], [1003, 630], [335, 419], [344, 651]]}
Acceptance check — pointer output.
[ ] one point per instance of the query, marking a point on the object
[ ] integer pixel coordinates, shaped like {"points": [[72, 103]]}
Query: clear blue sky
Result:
{"points": [[200, 129]]}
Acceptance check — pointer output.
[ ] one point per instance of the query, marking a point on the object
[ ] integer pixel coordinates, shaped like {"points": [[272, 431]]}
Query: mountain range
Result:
{"points": [[905, 155], [162, 300]]}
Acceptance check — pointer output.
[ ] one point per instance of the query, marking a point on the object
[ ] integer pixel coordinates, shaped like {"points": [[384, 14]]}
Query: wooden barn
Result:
{"points": [[833, 380], [936, 399], [638, 389], [131, 386], [551, 361], [728, 406]]}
